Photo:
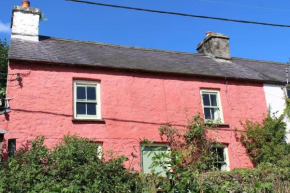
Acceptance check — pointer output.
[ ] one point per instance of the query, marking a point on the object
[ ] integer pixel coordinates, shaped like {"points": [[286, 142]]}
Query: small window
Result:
{"points": [[288, 92], [220, 158], [211, 106], [148, 153], [11, 147], [87, 103]]}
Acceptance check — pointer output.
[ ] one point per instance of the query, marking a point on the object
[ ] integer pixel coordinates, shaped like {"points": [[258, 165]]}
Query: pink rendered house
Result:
{"points": [[117, 95]]}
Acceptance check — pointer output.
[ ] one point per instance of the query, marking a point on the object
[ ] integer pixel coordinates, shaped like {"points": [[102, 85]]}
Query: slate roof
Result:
{"points": [[98, 55]]}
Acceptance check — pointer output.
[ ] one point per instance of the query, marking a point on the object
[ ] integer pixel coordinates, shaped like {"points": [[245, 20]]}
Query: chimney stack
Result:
{"points": [[215, 45], [25, 22]]}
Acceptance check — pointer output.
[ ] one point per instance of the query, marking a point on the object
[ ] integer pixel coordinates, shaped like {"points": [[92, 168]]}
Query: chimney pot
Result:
{"points": [[208, 33], [25, 3]]}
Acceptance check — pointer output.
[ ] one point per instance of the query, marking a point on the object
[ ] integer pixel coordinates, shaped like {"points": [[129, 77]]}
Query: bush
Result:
{"points": [[190, 154], [74, 165], [266, 178], [265, 142], [3, 66]]}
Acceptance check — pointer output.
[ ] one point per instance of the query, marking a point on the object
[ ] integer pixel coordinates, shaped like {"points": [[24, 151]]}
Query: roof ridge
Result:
{"points": [[126, 47]]}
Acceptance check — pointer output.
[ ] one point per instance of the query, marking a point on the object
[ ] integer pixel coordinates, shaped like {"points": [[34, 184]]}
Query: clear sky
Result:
{"points": [[151, 30]]}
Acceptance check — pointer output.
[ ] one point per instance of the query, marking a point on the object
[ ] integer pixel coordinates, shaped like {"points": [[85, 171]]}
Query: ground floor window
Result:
{"points": [[99, 148], [220, 157], [11, 147], [148, 153]]}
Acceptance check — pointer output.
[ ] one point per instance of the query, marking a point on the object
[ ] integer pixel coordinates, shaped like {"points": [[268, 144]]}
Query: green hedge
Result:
{"points": [[74, 165]]}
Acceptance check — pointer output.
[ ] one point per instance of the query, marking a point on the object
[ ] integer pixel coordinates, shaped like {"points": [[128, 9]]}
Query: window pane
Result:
{"points": [[147, 159], [221, 166], [219, 154], [91, 93], [91, 107], [218, 166], [288, 93], [81, 93], [213, 100], [207, 113], [81, 108], [215, 113], [205, 99], [219, 158]]}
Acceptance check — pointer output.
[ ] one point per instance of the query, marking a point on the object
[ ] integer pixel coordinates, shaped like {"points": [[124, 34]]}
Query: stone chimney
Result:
{"points": [[215, 45], [25, 22]]}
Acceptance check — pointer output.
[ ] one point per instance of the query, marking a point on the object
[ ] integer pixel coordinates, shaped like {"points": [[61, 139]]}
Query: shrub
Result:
{"points": [[265, 142], [190, 154], [3, 66], [74, 165]]}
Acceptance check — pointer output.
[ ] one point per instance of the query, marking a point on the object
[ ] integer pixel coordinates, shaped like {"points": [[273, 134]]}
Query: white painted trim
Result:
{"points": [[217, 92], [98, 95]]}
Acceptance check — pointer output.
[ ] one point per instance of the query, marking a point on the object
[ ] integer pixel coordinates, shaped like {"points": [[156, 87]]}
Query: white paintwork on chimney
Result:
{"points": [[275, 98], [25, 26]]}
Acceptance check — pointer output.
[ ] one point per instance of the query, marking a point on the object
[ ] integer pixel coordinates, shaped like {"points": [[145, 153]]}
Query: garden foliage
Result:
{"points": [[3, 65], [75, 165], [266, 142], [72, 166]]}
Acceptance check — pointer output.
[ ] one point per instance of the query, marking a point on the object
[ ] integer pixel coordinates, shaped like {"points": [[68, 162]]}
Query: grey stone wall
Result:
{"points": [[215, 45]]}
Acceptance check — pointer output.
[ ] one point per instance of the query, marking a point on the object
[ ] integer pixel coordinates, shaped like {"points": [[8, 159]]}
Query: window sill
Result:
{"points": [[218, 124], [89, 120]]}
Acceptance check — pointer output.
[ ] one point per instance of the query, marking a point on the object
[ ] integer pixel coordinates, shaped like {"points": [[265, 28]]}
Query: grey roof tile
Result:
{"points": [[71, 52]]}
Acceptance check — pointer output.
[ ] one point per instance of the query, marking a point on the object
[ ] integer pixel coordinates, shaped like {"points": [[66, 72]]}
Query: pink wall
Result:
{"points": [[134, 105]]}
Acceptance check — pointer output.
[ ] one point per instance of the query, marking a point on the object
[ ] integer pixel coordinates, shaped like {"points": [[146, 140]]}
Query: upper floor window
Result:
{"points": [[87, 103], [211, 105]]}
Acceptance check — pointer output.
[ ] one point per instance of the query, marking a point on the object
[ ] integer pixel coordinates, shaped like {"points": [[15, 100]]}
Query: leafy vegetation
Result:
{"points": [[74, 165], [190, 154], [3, 66], [265, 142], [192, 166]]}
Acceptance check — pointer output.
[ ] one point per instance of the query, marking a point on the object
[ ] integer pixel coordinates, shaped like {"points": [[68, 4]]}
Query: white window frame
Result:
{"points": [[219, 104], [98, 99], [226, 155], [151, 145]]}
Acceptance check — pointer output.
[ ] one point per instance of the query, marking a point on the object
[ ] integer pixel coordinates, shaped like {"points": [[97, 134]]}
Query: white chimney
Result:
{"points": [[25, 22]]}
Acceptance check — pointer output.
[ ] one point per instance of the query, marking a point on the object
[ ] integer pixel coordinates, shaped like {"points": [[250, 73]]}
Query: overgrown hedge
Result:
{"points": [[72, 166], [264, 179], [75, 166]]}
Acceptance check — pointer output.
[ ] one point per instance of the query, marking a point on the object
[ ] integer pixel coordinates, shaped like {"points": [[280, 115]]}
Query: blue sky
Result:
{"points": [[151, 30]]}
